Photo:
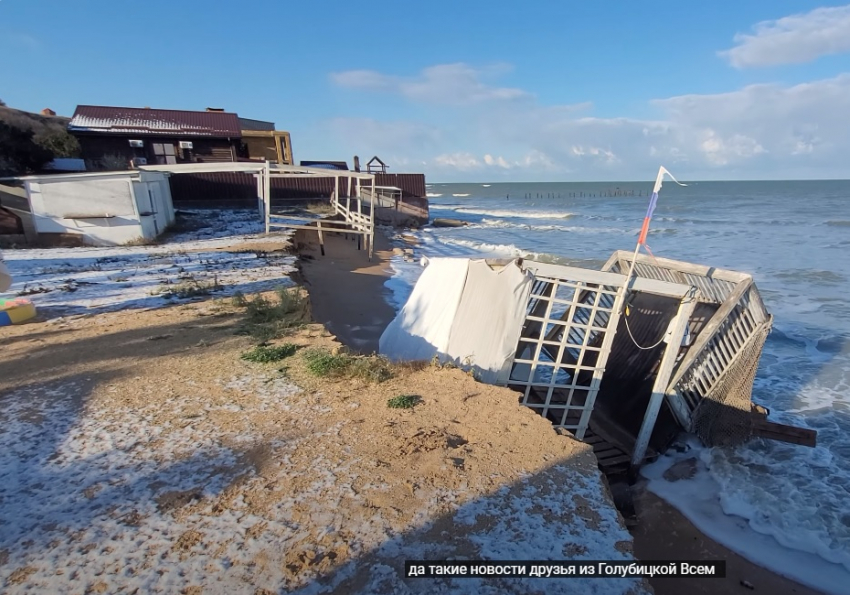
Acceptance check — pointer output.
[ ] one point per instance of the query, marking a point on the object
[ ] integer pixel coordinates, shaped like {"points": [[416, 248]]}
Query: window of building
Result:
{"points": [[164, 153]]}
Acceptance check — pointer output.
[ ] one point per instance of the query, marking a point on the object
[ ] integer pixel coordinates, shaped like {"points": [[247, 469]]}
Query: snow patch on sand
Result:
{"points": [[87, 279]]}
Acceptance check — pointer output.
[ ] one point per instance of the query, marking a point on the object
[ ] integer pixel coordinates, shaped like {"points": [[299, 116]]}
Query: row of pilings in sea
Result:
{"points": [[603, 194]]}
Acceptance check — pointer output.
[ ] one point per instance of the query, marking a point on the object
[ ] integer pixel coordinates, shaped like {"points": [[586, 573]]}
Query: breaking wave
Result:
{"points": [[503, 224], [515, 214]]}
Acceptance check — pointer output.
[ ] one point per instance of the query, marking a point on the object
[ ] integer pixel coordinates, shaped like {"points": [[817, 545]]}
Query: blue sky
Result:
{"points": [[469, 91]]}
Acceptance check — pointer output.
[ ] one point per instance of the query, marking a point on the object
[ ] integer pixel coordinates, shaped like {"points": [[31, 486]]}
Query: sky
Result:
{"points": [[466, 90]]}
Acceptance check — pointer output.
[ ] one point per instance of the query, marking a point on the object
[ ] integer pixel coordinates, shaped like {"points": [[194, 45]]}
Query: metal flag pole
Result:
{"points": [[645, 228]]}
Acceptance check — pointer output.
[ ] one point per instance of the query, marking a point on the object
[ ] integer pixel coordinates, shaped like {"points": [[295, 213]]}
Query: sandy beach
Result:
{"points": [[661, 533], [165, 462]]}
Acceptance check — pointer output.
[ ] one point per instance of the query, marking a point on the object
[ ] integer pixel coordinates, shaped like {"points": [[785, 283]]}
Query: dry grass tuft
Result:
{"points": [[324, 363], [267, 319]]}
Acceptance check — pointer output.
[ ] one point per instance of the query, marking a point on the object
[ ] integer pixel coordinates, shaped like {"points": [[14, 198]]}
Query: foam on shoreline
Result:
{"points": [[700, 499]]}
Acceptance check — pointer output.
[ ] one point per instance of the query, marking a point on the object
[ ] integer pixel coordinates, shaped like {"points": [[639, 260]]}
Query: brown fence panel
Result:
{"points": [[238, 187], [241, 188], [410, 184]]}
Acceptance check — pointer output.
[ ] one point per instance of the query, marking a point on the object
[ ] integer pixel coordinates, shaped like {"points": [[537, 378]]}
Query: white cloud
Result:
{"points": [[593, 152], [760, 131], [458, 161], [496, 161], [793, 39], [720, 151], [443, 84]]}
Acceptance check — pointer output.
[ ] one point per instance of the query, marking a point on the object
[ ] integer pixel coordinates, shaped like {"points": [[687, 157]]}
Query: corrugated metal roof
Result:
{"points": [[135, 120]]}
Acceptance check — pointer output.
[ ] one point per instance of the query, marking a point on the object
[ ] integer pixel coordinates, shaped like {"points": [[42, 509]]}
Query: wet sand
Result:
{"points": [[347, 292], [664, 533], [348, 295]]}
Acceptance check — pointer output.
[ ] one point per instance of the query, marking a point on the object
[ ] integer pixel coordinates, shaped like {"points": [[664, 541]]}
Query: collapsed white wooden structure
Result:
{"points": [[353, 214], [709, 389], [99, 208], [615, 360]]}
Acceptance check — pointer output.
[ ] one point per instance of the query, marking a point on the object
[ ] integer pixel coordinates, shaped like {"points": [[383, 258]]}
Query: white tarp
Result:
{"points": [[489, 320], [422, 328], [465, 312]]}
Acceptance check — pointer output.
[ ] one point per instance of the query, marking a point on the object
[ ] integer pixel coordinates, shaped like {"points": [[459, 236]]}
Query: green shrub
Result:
{"points": [[264, 354], [323, 363], [404, 402]]}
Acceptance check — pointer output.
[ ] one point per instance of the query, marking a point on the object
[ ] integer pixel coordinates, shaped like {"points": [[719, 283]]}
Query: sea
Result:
{"points": [[783, 506]]}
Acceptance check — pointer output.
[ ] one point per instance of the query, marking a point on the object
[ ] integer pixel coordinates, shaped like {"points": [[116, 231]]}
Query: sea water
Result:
{"points": [[783, 506]]}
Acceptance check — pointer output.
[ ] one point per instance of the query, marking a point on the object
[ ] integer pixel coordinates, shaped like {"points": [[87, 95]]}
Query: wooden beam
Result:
{"points": [[558, 271], [662, 378], [783, 433], [686, 267], [267, 194], [321, 237], [372, 223], [279, 150], [615, 258]]}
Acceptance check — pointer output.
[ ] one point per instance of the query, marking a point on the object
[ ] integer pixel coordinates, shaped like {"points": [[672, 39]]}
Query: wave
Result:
{"points": [[515, 214], [460, 194], [487, 247], [433, 194], [476, 248], [810, 276], [502, 224], [485, 185], [838, 223]]}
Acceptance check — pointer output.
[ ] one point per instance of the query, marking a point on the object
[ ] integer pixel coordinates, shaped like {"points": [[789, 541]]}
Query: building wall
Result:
{"points": [[204, 150]]}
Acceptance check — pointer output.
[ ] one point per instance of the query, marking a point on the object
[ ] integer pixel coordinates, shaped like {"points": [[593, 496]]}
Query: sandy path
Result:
{"points": [[347, 291]]}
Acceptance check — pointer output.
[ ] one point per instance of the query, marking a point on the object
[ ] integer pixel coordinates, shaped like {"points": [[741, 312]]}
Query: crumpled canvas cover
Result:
{"points": [[489, 320], [465, 312], [422, 328]]}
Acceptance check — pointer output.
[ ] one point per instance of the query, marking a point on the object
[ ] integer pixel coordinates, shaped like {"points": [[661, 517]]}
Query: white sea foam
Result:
{"points": [[506, 224], [514, 214], [459, 194], [488, 248], [738, 520], [433, 194]]}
